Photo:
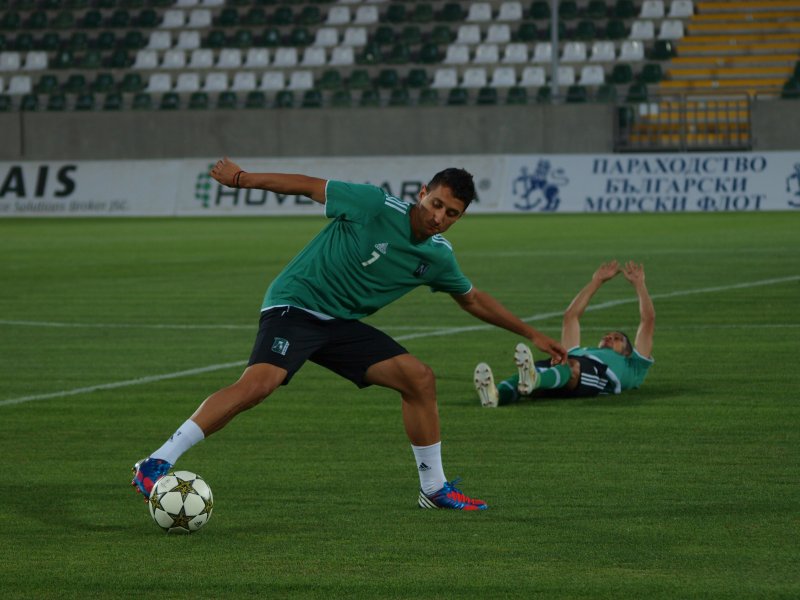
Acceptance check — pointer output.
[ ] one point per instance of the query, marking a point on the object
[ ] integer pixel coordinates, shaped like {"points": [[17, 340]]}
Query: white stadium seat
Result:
{"points": [[187, 82], [652, 9], [592, 75], [456, 54], [574, 52], [468, 34], [19, 85], [2, 85], [603, 51], [188, 40], [173, 19], [314, 56], [542, 53], [498, 33], [532, 77], [474, 77], [35, 60], [642, 30], [198, 18], [680, 9], [10, 61], [631, 50], [160, 40], [145, 59], [301, 80], [216, 82], [479, 11], [174, 59], [285, 57], [445, 77], [338, 15], [510, 11], [515, 52], [355, 36], [671, 30], [487, 54], [159, 82], [256, 57], [201, 58], [504, 77], [229, 58], [273, 80], [342, 56], [366, 14], [566, 75], [244, 81], [326, 37]]}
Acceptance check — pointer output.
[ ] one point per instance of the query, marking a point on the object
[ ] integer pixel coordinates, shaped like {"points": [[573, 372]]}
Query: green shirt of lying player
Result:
{"points": [[611, 367]]}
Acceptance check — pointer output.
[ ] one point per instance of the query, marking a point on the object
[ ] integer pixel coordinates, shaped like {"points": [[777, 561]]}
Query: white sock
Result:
{"points": [[429, 466], [179, 442]]}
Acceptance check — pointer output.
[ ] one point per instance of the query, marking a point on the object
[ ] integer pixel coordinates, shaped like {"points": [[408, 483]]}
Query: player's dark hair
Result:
{"points": [[628, 345], [458, 180]]}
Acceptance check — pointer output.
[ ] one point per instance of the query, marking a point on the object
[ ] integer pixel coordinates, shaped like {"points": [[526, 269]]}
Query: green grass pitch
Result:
{"points": [[686, 488]]}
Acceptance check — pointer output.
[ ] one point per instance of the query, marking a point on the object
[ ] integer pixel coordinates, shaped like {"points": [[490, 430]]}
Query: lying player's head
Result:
{"points": [[458, 180], [617, 341]]}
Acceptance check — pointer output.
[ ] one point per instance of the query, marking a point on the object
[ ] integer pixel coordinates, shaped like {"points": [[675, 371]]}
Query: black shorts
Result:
{"points": [[593, 381], [288, 337]]}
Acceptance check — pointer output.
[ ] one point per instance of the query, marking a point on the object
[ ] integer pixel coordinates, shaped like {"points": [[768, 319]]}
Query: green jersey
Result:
{"points": [[624, 372], [365, 258]]}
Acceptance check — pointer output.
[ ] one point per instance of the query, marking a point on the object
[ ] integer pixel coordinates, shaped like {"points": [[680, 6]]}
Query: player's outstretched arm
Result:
{"points": [[647, 312], [229, 173], [570, 324], [486, 308]]}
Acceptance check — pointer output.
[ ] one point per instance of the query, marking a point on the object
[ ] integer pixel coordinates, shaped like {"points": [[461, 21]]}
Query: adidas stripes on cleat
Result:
{"points": [[484, 385], [525, 369], [146, 472], [450, 497]]}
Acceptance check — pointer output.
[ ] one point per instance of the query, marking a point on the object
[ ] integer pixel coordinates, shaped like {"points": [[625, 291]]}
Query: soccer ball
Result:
{"points": [[181, 502]]}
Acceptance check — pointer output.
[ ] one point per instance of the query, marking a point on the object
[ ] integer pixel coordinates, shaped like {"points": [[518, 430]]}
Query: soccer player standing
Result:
{"points": [[376, 249]]}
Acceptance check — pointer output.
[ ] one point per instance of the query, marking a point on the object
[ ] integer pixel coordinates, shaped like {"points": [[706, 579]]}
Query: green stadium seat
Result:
{"points": [[442, 34], [50, 42], [92, 19], [310, 15], [112, 101], [131, 4], [243, 38], [597, 9], [91, 59], [487, 96], [78, 40], [198, 101], [134, 40], [103, 83], [255, 17], [105, 3], [229, 17], [29, 102], [400, 54], [399, 97], [417, 78], [312, 99], [797, 70], [10, 21], [23, 42], [142, 101], [170, 101], [370, 55], [3, 42], [85, 101], [577, 94], [411, 35], [64, 59], [56, 102], [457, 97], [624, 9], [147, 18], [120, 59], [330, 79], [359, 80], [106, 40], [428, 97], [585, 31], [388, 79], [271, 38], [567, 10], [284, 99], [5, 103], [621, 73], [300, 36], [370, 98], [384, 35], [540, 10], [662, 50], [342, 99], [606, 93], [527, 32], [452, 12], [637, 92], [395, 13], [791, 90], [47, 84], [132, 82], [616, 29], [422, 13], [651, 73], [543, 95], [255, 99], [429, 54], [283, 15], [36, 20], [75, 84], [227, 100], [215, 39], [517, 95], [119, 19]]}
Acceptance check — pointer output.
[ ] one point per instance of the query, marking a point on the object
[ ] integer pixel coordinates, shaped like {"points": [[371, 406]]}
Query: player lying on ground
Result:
{"points": [[611, 367], [376, 249]]}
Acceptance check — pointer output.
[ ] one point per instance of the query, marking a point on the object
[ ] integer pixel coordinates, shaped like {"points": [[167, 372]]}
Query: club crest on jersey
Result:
{"points": [[280, 346], [421, 269], [382, 247]]}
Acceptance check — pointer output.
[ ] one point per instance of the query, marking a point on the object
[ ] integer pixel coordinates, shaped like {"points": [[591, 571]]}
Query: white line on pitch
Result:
{"points": [[411, 336]]}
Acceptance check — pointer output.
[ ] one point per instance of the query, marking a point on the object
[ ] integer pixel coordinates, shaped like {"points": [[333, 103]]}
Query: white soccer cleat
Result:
{"points": [[484, 385], [525, 369]]}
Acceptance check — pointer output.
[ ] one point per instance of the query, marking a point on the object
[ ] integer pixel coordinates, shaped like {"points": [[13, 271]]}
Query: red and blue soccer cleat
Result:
{"points": [[450, 497], [146, 472]]}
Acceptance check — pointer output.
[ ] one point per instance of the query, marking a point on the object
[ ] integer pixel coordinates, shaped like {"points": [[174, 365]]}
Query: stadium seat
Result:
{"points": [[543, 95], [592, 75], [637, 92], [411, 34], [342, 99], [342, 56], [624, 9], [311, 99], [255, 17], [400, 54], [56, 102], [355, 36], [621, 73], [457, 97], [201, 58], [159, 40], [652, 9], [452, 12], [663, 50], [504, 77], [515, 53], [215, 39], [498, 33], [300, 36], [366, 14], [487, 96], [651, 73], [399, 97], [64, 59], [198, 101], [631, 51], [417, 78], [132, 82], [146, 59], [597, 9], [428, 97], [112, 101], [616, 29], [479, 12], [173, 19], [474, 77], [229, 58], [566, 75], [681, 9], [301, 80], [574, 52], [170, 101], [585, 31], [271, 38], [147, 18], [309, 15], [532, 77], [456, 54], [46, 85], [671, 29], [273, 80], [78, 41], [256, 58], [371, 54], [468, 34], [119, 18], [142, 101], [215, 82], [487, 54], [103, 83], [542, 53], [255, 99], [92, 19], [242, 38], [85, 101], [174, 59], [75, 84], [540, 9], [36, 60], [49, 42], [370, 98], [199, 18], [10, 61], [388, 79], [283, 15], [603, 51], [313, 56], [338, 15], [444, 77], [510, 11], [642, 30], [517, 95], [567, 10], [442, 34], [395, 13], [577, 93], [187, 82], [606, 93], [159, 82], [64, 19], [326, 37], [227, 100], [244, 81], [188, 40], [285, 57], [228, 17], [527, 32]]}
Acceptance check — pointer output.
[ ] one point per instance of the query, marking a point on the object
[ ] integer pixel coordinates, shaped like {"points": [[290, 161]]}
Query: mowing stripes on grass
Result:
{"points": [[410, 336]]}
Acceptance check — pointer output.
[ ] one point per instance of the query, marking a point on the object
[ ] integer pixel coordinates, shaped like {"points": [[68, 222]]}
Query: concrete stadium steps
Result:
{"points": [[728, 6], [690, 73]]}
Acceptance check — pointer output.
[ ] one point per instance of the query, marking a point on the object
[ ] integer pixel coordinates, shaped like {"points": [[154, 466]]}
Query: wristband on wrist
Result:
{"points": [[236, 178]]}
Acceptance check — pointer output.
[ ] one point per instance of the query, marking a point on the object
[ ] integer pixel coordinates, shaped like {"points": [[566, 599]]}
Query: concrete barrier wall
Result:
{"points": [[576, 128]]}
